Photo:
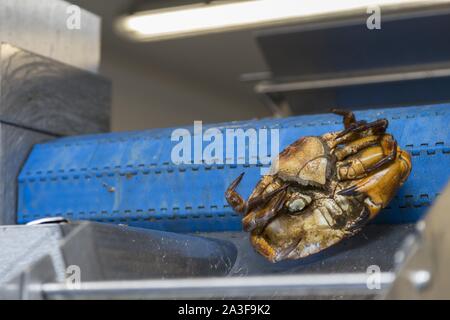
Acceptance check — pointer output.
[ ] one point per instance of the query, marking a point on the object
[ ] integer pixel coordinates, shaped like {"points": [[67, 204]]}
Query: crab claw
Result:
{"points": [[233, 198], [256, 220], [263, 199]]}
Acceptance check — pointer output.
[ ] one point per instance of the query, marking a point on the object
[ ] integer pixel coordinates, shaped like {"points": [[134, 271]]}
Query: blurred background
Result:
{"points": [[348, 54], [174, 82]]}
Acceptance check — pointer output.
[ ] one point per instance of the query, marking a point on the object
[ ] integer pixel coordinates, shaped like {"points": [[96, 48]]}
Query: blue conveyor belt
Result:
{"points": [[129, 177]]}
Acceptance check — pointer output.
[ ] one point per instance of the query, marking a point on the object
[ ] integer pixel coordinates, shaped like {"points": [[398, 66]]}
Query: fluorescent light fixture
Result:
{"points": [[228, 15]]}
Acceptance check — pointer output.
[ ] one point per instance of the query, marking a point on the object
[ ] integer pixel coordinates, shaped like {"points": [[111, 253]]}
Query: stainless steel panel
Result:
{"points": [[122, 262], [41, 27], [15, 145], [42, 94], [22, 247], [103, 253], [425, 257]]}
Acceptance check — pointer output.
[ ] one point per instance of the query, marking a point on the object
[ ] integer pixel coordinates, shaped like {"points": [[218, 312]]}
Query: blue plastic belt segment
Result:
{"points": [[129, 177]]}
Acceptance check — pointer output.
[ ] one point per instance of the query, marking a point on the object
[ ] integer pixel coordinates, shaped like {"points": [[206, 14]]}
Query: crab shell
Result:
{"points": [[322, 189], [307, 162]]}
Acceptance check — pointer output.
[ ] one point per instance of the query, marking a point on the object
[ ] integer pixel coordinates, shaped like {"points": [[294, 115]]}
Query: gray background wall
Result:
{"points": [[175, 82]]}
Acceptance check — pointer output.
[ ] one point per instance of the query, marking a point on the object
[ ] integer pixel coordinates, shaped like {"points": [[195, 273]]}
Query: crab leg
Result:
{"points": [[372, 128], [263, 198], [368, 160], [349, 117], [360, 222], [381, 186], [234, 199], [356, 131], [284, 252], [355, 146], [259, 219]]}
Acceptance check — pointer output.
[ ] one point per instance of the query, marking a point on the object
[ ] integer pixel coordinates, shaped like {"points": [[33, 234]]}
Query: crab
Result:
{"points": [[322, 189]]}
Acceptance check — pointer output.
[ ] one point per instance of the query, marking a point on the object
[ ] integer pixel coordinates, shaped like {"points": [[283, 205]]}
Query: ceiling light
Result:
{"points": [[221, 16]]}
